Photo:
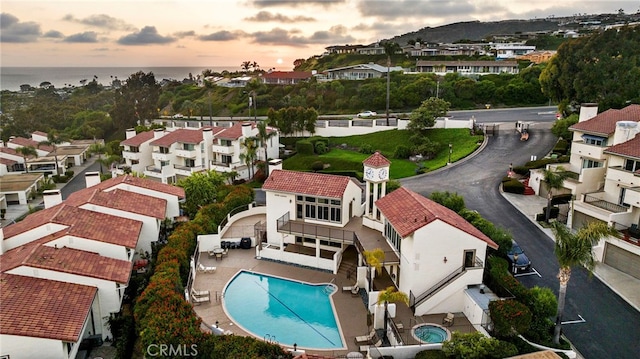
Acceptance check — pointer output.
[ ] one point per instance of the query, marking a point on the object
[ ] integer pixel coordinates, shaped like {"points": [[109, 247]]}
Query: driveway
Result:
{"points": [[612, 325]]}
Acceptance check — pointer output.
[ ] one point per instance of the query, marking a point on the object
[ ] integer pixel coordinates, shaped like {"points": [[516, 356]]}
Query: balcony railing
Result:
{"points": [[191, 169], [304, 229], [600, 203], [153, 168]]}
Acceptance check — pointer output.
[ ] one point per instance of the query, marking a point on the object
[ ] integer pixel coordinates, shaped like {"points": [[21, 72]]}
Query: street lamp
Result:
{"points": [[252, 101], [450, 151]]}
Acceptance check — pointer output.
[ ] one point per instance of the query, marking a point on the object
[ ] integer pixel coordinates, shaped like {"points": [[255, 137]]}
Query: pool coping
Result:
{"points": [[446, 330], [331, 301]]}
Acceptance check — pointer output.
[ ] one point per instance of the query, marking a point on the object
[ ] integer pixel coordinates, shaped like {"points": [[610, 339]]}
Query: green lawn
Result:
{"points": [[350, 160]]}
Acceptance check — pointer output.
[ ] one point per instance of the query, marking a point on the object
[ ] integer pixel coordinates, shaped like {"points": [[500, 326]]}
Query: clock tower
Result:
{"points": [[376, 175]]}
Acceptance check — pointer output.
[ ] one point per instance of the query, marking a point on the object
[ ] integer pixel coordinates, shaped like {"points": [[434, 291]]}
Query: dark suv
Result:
{"points": [[518, 261]]}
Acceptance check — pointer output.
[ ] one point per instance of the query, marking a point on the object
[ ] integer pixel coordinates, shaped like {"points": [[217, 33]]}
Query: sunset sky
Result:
{"points": [[226, 32]]}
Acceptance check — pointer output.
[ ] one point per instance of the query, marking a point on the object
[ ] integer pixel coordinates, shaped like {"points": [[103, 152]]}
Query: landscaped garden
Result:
{"points": [[344, 155]]}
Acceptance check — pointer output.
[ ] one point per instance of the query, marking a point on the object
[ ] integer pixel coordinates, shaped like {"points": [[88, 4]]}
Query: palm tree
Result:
{"points": [[375, 259], [27, 151], [250, 145], [390, 48], [53, 139], [100, 149], [573, 249], [391, 295], [553, 180], [264, 134]]}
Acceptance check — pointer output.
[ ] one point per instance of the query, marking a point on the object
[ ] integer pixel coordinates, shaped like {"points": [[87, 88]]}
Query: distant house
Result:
{"points": [[343, 49], [467, 67], [538, 57], [511, 50], [285, 77], [356, 72]]}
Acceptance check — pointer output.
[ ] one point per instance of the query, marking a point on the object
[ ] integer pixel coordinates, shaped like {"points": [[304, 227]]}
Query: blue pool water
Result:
{"points": [[430, 333], [282, 310]]}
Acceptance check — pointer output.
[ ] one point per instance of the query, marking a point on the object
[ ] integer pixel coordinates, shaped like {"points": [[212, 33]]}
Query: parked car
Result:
{"points": [[177, 115], [366, 114], [518, 261]]}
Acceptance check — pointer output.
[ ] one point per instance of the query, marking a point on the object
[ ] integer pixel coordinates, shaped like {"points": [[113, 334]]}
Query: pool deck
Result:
{"points": [[351, 310]]}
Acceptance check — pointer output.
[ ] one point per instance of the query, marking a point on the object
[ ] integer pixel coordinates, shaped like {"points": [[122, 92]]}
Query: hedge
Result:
{"points": [[513, 186], [304, 147]]}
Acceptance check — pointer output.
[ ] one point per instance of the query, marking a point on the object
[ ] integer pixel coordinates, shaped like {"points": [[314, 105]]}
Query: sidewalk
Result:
{"points": [[626, 286]]}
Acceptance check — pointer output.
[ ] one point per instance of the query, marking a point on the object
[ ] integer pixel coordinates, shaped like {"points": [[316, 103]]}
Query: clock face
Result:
{"points": [[368, 173], [382, 174]]}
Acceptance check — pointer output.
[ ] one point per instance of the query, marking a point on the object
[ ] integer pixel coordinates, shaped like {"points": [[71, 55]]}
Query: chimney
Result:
{"points": [[625, 131], [91, 179], [588, 111], [157, 133], [130, 132], [275, 164], [246, 129], [51, 198]]}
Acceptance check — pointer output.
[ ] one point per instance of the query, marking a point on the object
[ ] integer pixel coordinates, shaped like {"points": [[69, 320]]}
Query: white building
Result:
{"points": [[511, 50]]}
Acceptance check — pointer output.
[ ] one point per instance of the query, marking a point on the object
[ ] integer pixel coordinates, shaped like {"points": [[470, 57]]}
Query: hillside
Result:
{"points": [[475, 30]]}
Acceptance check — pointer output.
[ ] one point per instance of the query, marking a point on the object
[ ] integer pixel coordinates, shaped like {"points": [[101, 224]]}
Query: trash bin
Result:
{"points": [[245, 243]]}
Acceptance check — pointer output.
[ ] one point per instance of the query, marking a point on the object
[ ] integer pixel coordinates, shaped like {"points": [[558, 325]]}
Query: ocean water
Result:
{"points": [[12, 77]]}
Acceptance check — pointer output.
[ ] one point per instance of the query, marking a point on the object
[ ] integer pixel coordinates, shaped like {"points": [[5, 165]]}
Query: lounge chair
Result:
{"points": [[365, 348], [448, 319], [199, 293], [200, 296], [355, 291], [225, 252], [202, 268], [366, 339]]}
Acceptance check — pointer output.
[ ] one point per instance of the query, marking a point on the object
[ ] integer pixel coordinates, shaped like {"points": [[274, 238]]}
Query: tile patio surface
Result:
{"points": [[352, 313]]}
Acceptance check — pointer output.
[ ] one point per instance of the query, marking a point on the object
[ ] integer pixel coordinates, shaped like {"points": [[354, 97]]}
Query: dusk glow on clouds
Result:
{"points": [[227, 32]]}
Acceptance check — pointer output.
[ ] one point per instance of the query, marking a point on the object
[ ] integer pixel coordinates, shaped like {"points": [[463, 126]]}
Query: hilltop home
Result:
{"points": [[356, 72], [467, 68], [604, 179]]}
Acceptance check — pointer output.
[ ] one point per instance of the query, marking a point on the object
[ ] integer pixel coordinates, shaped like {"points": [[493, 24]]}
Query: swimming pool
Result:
{"points": [[283, 310]]}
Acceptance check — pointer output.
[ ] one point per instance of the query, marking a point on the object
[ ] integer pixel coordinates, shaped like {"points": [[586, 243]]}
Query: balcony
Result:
{"points": [[185, 153], [596, 200], [161, 156], [131, 155], [587, 150], [187, 171], [312, 230], [225, 150]]}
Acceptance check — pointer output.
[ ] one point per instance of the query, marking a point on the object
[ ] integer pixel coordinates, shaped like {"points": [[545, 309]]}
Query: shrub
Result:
{"points": [[317, 166], [304, 147], [510, 317], [366, 148], [521, 170], [69, 173], [561, 147], [431, 354], [475, 346], [321, 148], [402, 152], [513, 186]]}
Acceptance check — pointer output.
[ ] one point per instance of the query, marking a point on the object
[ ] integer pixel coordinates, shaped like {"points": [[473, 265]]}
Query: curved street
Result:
{"points": [[611, 325]]}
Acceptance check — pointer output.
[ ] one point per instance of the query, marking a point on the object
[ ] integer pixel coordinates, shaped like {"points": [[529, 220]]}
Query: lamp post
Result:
{"points": [[252, 100], [450, 151]]}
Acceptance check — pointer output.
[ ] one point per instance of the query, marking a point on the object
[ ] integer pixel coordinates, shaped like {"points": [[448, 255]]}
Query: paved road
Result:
{"points": [[78, 182], [612, 325]]}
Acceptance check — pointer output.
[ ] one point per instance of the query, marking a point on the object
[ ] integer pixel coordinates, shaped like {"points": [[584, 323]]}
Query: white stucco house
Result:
{"points": [[38, 326]]}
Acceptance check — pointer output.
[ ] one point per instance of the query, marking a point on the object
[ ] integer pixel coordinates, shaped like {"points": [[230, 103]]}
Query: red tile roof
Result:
{"points": [[10, 151], [408, 211], [605, 122], [82, 223], [630, 148], [120, 199], [309, 183], [179, 136], [34, 307], [7, 162], [377, 160], [142, 183], [25, 142], [138, 139], [234, 132], [287, 75]]}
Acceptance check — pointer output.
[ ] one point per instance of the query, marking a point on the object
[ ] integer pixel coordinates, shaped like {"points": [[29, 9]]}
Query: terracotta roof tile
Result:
{"points": [[408, 211], [138, 139], [309, 183], [142, 183], [82, 223], [605, 122], [179, 136], [234, 132], [79, 262], [10, 151], [34, 307], [377, 160], [25, 142], [7, 162], [630, 148], [120, 199]]}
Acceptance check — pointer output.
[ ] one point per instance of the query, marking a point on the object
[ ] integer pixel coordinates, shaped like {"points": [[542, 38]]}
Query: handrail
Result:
{"points": [[314, 230], [413, 301], [601, 203]]}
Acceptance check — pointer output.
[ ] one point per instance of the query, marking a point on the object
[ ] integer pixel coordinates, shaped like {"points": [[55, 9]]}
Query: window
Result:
{"points": [[323, 209], [135, 162], [631, 165], [225, 142], [595, 140], [134, 149], [164, 163], [587, 163], [393, 236], [189, 163], [226, 159], [188, 146], [164, 149]]}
